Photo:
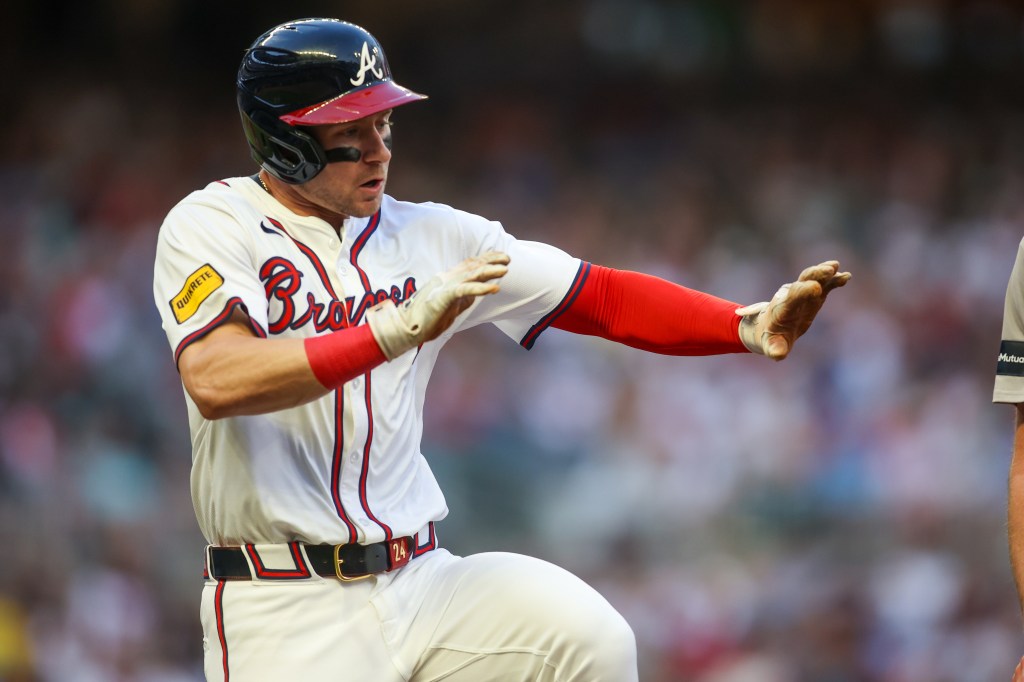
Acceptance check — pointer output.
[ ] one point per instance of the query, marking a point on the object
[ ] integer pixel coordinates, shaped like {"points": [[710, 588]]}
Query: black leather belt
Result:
{"points": [[345, 562]]}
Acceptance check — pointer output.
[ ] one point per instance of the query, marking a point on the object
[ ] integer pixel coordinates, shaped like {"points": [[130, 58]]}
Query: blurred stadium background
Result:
{"points": [[834, 518]]}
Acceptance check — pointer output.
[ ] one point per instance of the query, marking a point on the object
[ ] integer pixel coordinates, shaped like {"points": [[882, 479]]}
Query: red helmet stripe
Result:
{"points": [[353, 105]]}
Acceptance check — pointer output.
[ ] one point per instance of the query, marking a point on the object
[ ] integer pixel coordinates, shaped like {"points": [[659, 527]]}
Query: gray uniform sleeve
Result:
{"points": [[1009, 384]]}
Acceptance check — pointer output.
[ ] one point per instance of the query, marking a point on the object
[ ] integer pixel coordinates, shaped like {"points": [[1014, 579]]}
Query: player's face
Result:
{"points": [[353, 188]]}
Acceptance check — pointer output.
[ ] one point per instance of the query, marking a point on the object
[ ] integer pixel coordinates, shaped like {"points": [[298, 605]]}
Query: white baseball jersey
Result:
{"points": [[1009, 384], [346, 467]]}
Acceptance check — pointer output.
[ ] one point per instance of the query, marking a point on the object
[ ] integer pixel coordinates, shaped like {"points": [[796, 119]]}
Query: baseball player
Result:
{"points": [[1009, 388], [306, 309]]}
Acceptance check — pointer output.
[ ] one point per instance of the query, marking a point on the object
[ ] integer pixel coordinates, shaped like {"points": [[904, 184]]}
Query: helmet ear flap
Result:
{"points": [[288, 153]]}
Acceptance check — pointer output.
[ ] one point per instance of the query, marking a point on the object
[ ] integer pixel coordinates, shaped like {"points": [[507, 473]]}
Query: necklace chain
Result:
{"points": [[263, 184]]}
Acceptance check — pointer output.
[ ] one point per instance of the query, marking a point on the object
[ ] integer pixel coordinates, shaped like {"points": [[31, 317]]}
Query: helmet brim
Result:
{"points": [[353, 105]]}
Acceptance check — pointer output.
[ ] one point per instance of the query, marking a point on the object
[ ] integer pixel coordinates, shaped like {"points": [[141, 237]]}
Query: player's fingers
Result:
{"points": [[827, 274], [473, 289], [820, 272], [776, 346], [478, 269], [836, 281], [804, 289], [1018, 673], [485, 273], [484, 259], [495, 257]]}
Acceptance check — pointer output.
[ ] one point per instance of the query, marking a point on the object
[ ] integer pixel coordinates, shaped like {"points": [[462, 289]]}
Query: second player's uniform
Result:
{"points": [[1009, 383]]}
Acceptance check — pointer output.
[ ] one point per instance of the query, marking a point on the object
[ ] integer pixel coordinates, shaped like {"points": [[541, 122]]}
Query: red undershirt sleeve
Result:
{"points": [[652, 314]]}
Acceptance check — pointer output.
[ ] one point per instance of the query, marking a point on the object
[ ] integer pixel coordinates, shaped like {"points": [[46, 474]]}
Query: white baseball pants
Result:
{"points": [[483, 618]]}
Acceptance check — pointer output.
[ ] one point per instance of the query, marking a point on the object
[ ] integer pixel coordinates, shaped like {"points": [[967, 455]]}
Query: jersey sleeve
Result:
{"points": [[204, 270], [540, 283], [1009, 384]]}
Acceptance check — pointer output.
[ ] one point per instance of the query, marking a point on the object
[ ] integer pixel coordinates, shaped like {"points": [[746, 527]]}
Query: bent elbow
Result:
{"points": [[211, 411], [211, 402]]}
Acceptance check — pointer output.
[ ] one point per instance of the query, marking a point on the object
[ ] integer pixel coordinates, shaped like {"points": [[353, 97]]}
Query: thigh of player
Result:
{"points": [[318, 629], [499, 616]]}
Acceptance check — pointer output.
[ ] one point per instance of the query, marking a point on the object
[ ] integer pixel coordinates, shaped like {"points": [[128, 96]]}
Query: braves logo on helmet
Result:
{"points": [[367, 62]]}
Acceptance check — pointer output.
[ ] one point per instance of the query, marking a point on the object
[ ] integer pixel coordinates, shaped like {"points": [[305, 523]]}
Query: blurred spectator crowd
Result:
{"points": [[837, 517]]}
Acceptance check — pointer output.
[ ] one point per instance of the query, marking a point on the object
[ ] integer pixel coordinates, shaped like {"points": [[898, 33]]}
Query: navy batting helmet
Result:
{"points": [[305, 73]]}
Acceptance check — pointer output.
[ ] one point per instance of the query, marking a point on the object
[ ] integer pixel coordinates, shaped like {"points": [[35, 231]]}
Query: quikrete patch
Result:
{"points": [[197, 288]]}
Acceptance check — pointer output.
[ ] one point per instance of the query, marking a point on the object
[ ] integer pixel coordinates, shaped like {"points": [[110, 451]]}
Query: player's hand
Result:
{"points": [[772, 327], [1018, 674], [431, 310]]}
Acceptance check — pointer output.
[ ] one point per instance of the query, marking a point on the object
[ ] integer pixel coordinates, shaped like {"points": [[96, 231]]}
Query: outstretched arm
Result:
{"points": [[652, 314], [656, 315]]}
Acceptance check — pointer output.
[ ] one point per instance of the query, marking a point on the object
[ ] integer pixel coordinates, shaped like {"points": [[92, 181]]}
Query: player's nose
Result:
{"points": [[378, 148]]}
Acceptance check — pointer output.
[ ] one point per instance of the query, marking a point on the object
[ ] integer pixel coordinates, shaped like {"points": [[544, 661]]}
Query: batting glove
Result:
{"points": [[431, 310], [772, 327]]}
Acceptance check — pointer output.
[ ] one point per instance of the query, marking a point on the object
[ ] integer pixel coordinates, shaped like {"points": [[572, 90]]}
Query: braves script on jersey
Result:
{"points": [[346, 467]]}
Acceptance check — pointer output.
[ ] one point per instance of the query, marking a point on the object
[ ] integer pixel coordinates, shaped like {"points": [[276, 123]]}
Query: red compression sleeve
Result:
{"points": [[652, 314], [343, 355]]}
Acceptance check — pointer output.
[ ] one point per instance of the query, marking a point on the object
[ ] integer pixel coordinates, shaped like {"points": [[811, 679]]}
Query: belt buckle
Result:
{"points": [[338, 561]]}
